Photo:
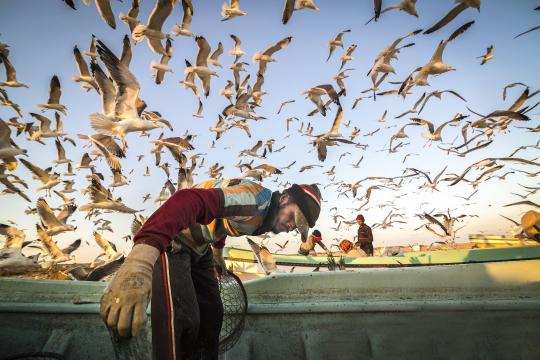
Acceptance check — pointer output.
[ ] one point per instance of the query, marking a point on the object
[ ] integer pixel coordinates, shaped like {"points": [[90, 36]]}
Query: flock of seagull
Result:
{"points": [[124, 113]]}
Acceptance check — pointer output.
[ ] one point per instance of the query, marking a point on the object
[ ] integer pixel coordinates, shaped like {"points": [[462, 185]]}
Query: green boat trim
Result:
{"points": [[425, 258]]}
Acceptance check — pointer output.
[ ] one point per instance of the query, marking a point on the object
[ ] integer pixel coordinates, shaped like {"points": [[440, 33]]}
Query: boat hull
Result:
{"points": [[469, 311]]}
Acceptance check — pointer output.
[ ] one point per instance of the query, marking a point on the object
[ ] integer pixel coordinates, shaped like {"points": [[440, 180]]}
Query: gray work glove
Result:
{"points": [[124, 302]]}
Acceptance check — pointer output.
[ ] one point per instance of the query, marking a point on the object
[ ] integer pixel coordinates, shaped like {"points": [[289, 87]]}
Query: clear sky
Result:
{"points": [[42, 34]]}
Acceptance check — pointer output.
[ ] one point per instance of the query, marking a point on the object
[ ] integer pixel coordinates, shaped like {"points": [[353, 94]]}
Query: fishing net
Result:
{"points": [[234, 299]]}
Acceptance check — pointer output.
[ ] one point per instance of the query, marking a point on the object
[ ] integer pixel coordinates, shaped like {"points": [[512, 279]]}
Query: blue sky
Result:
{"points": [[42, 34]]}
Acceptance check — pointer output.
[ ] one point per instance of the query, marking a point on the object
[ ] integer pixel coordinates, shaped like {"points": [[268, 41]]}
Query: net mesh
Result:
{"points": [[234, 299]]}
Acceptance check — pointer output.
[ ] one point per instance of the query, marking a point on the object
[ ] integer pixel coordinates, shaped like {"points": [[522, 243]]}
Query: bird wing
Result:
{"points": [[288, 10], [105, 270], [525, 202], [46, 214], [5, 134], [204, 51], [104, 244], [447, 18], [49, 243], [60, 149], [437, 56], [11, 74], [125, 57], [126, 83], [337, 121], [268, 168], [160, 13], [259, 83], [278, 46], [257, 146], [54, 91], [82, 66], [460, 30], [39, 172], [72, 247], [112, 160], [106, 89], [434, 221], [187, 6], [528, 31], [105, 11], [215, 55]]}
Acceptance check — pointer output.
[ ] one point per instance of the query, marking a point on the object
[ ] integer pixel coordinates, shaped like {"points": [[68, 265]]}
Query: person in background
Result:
{"points": [[365, 236], [308, 247]]}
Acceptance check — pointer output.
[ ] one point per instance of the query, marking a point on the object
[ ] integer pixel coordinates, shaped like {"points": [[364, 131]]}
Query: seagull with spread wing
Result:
{"points": [[125, 117], [153, 29], [183, 30], [266, 56], [55, 92]]}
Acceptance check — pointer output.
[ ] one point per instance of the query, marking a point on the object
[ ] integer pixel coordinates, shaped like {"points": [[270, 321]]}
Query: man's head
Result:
{"points": [[360, 219], [317, 234], [299, 208]]}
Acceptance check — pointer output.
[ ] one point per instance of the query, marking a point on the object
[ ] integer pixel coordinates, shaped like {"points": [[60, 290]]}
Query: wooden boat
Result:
{"points": [[479, 310], [489, 241]]}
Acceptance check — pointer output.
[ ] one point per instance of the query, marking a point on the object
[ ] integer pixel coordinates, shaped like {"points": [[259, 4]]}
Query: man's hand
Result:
{"points": [[219, 262], [124, 302]]}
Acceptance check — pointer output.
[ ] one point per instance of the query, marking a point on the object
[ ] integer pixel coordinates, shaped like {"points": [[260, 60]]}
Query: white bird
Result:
{"points": [[126, 117], [152, 30], [108, 247], [10, 255], [91, 52], [84, 74], [48, 179], [337, 41], [264, 257], [189, 81], [231, 10], [102, 199], [213, 59], [51, 247], [201, 69], [219, 128], [45, 130], [61, 152], [11, 74], [436, 66], [315, 93], [8, 149], [55, 92], [266, 56], [131, 18], [51, 223], [183, 29], [347, 56], [237, 52], [456, 10], [159, 69], [293, 5], [10, 187], [105, 11]]}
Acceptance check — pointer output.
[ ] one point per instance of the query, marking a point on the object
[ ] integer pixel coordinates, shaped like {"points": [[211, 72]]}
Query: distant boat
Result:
{"points": [[245, 262], [488, 241]]}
